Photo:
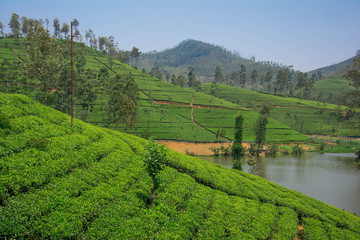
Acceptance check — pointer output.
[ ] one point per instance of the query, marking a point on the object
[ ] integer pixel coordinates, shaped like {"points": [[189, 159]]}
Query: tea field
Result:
{"points": [[89, 182], [166, 122]]}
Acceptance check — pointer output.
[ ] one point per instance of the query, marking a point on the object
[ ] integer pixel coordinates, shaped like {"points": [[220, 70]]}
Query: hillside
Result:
{"points": [[309, 117], [88, 182], [336, 85], [334, 69], [203, 56], [165, 110]]}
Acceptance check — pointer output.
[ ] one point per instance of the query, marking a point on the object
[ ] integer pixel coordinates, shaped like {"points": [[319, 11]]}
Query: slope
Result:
{"points": [[305, 116], [89, 182], [332, 86], [165, 110], [334, 69], [204, 57]]}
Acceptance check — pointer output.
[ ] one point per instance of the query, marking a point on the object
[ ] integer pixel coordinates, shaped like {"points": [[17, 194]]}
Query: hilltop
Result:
{"points": [[204, 57], [89, 182], [165, 109], [334, 69]]}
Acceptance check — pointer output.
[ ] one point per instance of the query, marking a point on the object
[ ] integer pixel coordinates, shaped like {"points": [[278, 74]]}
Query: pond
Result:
{"points": [[333, 178]]}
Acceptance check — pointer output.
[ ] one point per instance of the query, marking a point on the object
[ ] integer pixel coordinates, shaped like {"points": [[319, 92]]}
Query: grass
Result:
{"points": [[166, 122], [89, 182]]}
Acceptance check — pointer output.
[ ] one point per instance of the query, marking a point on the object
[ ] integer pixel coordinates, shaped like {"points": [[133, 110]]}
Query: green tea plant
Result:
{"points": [[4, 121], [154, 163]]}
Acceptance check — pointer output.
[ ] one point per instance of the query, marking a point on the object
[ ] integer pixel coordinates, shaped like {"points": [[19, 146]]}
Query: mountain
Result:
{"points": [[205, 58], [87, 182]]}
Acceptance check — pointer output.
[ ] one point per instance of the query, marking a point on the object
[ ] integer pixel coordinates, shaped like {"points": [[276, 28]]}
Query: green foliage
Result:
{"points": [[154, 163], [272, 150], [40, 143], [155, 158], [358, 156], [237, 150], [90, 182], [260, 129], [4, 121], [237, 164], [322, 146], [297, 150]]}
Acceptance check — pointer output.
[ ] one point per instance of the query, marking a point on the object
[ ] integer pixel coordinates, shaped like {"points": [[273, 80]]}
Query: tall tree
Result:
{"points": [[242, 76], [14, 25], [168, 76], [123, 103], [134, 54], [214, 90], [56, 24], [234, 78], [237, 148], [86, 91], [102, 43], [260, 127], [1, 29], [44, 59], [65, 29], [191, 77], [254, 75], [268, 78], [181, 81], [219, 77]]}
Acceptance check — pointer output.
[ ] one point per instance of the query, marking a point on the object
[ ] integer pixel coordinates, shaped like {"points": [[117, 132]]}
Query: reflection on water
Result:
{"points": [[333, 178]]}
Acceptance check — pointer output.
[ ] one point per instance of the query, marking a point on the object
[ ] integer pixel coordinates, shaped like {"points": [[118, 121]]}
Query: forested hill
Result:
{"points": [[204, 57], [334, 69]]}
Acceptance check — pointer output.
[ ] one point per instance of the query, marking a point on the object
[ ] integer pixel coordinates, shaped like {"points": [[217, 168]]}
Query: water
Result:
{"points": [[333, 178]]}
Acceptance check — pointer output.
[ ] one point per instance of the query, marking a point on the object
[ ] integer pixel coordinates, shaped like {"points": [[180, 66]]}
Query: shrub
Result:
{"points": [[4, 121], [155, 159], [39, 143], [297, 150], [272, 150]]}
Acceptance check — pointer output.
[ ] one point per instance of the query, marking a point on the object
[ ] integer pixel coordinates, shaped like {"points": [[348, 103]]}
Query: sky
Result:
{"points": [[307, 34]]}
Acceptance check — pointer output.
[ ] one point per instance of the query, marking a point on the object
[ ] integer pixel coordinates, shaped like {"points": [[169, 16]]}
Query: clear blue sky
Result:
{"points": [[307, 34]]}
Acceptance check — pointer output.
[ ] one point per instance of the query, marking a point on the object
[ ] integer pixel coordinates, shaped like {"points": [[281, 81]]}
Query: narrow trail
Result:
{"points": [[191, 105]]}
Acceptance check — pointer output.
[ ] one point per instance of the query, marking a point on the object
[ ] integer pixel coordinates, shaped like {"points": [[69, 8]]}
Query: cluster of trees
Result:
{"points": [[20, 26], [46, 75], [180, 80], [285, 81]]}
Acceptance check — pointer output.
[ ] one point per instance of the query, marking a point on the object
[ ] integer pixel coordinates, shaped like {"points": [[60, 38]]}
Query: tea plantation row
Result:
{"points": [[89, 182]]}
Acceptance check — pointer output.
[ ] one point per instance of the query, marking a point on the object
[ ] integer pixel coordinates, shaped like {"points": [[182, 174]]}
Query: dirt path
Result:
{"points": [[196, 148]]}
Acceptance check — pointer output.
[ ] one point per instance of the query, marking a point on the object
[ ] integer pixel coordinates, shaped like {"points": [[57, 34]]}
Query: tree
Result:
{"points": [[234, 78], [181, 81], [123, 103], [134, 54], [214, 90], [14, 25], [2, 29], [219, 77], [354, 76], [65, 29], [242, 76], [45, 60], [56, 24], [237, 148], [154, 162], [260, 127], [168, 76], [86, 91], [173, 79], [91, 38], [254, 75], [102, 43], [268, 78], [191, 77], [260, 130]]}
